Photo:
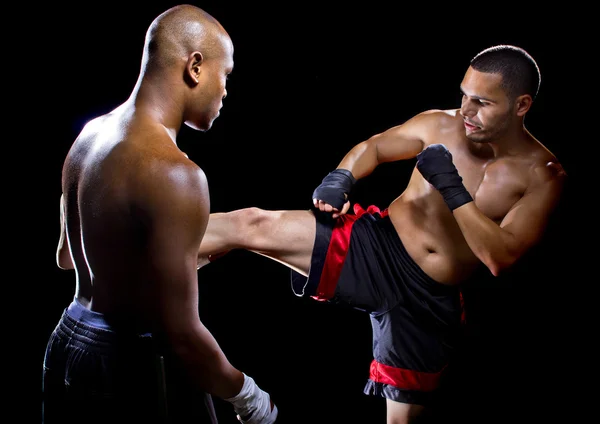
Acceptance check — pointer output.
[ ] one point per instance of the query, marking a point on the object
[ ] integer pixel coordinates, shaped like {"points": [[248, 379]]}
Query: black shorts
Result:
{"points": [[360, 261], [96, 374]]}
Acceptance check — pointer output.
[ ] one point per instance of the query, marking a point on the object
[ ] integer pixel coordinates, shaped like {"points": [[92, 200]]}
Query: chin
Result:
{"points": [[478, 138]]}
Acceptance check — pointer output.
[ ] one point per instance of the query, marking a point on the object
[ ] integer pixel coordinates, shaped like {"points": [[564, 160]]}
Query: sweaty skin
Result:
{"points": [[134, 208], [500, 184], [514, 180]]}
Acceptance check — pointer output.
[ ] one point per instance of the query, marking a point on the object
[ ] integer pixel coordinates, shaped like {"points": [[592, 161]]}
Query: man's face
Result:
{"points": [[486, 109], [211, 89]]}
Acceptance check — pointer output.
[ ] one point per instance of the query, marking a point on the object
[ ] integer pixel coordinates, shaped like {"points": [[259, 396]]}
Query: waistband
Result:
{"points": [[92, 330], [84, 316]]}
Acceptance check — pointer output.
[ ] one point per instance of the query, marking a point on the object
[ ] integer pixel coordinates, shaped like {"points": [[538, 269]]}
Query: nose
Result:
{"points": [[224, 93], [466, 109]]}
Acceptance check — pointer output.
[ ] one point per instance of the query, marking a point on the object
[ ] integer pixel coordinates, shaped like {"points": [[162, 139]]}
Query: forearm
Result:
{"points": [[207, 364], [494, 246]]}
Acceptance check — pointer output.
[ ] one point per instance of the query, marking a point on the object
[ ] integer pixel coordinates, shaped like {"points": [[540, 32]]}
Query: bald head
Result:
{"points": [[179, 31]]}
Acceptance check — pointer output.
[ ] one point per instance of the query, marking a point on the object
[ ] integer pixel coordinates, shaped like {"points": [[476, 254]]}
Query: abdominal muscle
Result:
{"points": [[432, 237]]}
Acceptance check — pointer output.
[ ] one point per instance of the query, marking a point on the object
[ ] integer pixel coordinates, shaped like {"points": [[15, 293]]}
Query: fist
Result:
{"points": [[434, 160], [436, 166]]}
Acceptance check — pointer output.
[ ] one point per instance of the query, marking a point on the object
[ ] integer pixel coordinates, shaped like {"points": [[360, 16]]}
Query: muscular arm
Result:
{"points": [[401, 142], [63, 254], [179, 210], [397, 143], [499, 246]]}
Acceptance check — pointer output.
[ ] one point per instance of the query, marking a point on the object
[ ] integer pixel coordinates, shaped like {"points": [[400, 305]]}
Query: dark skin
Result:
{"points": [[515, 181], [134, 207]]}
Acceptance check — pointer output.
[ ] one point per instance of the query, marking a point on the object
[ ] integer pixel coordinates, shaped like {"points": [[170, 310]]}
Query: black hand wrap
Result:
{"points": [[436, 166], [334, 188]]}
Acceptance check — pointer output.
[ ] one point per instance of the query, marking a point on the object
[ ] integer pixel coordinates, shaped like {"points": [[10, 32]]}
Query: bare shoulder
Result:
{"points": [[168, 183], [424, 128], [550, 171], [175, 199], [434, 123], [436, 114], [547, 170], [436, 118], [176, 177]]}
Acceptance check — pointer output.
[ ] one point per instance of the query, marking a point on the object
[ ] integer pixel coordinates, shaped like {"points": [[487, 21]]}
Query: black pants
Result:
{"points": [[92, 375]]}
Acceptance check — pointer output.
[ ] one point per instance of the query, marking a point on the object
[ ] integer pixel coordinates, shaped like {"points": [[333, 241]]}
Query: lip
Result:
{"points": [[470, 126]]}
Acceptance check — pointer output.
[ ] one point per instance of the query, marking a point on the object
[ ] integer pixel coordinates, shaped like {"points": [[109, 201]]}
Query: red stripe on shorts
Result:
{"points": [[337, 250], [403, 378], [336, 254]]}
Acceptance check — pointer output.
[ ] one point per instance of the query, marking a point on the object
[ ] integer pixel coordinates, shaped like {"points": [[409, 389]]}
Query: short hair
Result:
{"points": [[520, 72], [177, 32]]}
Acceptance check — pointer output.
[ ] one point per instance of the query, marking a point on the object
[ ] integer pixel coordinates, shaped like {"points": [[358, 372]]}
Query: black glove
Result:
{"points": [[436, 166], [334, 188]]}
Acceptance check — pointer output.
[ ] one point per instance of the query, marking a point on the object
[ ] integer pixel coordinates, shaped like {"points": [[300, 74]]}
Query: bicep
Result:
{"points": [[403, 141], [529, 217]]}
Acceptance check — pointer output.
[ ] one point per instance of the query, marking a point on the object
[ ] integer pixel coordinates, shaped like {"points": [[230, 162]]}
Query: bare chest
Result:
{"points": [[494, 185]]}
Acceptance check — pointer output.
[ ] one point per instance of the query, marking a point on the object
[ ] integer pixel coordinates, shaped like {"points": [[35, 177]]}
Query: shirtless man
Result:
{"points": [[481, 194], [133, 211]]}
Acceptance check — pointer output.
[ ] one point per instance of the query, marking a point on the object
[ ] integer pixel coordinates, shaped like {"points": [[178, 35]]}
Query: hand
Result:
{"points": [[326, 207], [436, 166], [332, 194], [271, 418], [435, 159], [253, 405]]}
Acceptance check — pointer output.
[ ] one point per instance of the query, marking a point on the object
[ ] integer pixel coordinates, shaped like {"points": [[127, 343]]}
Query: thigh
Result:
{"points": [[53, 383], [288, 237], [120, 387], [53, 397], [285, 236], [402, 413]]}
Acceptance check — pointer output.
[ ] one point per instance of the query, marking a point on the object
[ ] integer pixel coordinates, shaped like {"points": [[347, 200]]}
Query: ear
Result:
{"points": [[192, 68], [523, 104]]}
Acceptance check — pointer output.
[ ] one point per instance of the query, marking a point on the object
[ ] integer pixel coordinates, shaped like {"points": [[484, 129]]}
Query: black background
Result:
{"points": [[311, 80]]}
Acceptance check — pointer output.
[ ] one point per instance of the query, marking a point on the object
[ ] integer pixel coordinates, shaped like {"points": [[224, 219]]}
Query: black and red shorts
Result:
{"points": [[359, 260]]}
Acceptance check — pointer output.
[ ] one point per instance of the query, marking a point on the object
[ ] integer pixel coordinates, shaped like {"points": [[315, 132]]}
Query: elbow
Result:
{"points": [[64, 260], [66, 266], [498, 266], [194, 346], [502, 258], [494, 268]]}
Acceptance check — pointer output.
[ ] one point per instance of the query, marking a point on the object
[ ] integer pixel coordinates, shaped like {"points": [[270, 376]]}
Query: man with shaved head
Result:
{"points": [[134, 209]]}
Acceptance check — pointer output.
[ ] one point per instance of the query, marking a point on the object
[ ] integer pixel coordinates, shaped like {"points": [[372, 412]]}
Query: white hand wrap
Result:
{"points": [[253, 403]]}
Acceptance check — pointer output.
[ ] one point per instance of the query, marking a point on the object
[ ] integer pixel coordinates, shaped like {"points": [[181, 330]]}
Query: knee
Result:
{"points": [[247, 218], [250, 223]]}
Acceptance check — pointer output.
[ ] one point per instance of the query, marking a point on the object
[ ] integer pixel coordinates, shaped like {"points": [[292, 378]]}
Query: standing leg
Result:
{"points": [[402, 413]]}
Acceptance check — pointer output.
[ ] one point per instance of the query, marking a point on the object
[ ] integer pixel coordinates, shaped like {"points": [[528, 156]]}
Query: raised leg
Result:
{"points": [[284, 236]]}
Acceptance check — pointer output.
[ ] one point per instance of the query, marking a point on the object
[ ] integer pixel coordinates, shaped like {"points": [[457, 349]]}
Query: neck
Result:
{"points": [[158, 104], [512, 141]]}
